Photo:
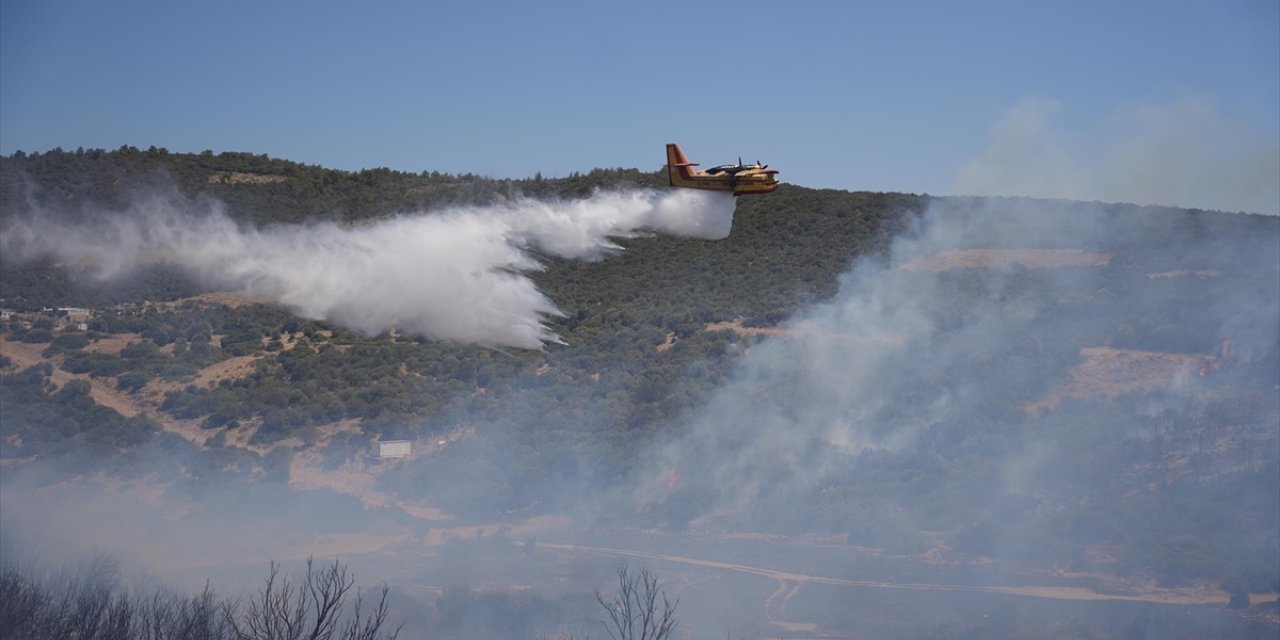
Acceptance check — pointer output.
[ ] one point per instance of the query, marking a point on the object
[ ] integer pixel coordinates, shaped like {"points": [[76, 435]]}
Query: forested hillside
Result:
{"points": [[1095, 403], [618, 313]]}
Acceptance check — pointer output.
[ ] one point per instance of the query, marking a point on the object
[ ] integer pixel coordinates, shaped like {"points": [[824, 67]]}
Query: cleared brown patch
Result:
{"points": [[242, 436], [357, 479], [27, 355], [1110, 373], [668, 342], [230, 299], [104, 391], [112, 344], [146, 401], [991, 258], [153, 392], [23, 354], [737, 327], [229, 369], [805, 328]]}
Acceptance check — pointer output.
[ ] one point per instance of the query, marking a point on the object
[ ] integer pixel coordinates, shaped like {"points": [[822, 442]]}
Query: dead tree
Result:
{"points": [[312, 611], [25, 605], [635, 612], [90, 605], [170, 616]]}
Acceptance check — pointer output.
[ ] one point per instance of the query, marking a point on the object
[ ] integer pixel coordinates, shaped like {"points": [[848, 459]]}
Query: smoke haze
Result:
{"points": [[938, 404], [455, 275], [1183, 154], [975, 317]]}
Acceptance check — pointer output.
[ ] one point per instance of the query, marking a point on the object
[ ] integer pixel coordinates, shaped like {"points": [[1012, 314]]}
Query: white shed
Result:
{"points": [[393, 449]]}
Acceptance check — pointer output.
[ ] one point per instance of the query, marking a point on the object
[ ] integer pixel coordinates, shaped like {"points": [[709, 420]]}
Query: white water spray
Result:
{"points": [[456, 275]]}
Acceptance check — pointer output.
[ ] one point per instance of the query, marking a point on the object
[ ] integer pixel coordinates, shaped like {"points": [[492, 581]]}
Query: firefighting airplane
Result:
{"points": [[739, 178]]}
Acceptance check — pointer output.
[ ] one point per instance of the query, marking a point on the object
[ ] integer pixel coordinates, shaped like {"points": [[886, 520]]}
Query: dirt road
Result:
{"points": [[789, 583]]}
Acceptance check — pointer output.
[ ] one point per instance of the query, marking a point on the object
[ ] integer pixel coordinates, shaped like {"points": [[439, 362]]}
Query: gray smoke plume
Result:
{"points": [[1183, 154], [454, 275], [961, 324]]}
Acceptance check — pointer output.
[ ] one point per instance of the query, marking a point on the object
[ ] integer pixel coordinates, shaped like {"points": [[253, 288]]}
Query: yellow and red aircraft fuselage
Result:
{"points": [[740, 179]]}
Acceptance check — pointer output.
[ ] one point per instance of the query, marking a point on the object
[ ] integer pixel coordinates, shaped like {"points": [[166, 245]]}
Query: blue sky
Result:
{"points": [[920, 97]]}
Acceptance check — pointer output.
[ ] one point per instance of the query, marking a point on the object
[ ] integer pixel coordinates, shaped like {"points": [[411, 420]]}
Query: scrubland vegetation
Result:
{"points": [[1128, 483]]}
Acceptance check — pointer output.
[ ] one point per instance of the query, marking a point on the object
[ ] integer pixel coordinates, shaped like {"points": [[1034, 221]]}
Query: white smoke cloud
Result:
{"points": [[1025, 156], [1182, 154], [454, 275], [897, 354]]}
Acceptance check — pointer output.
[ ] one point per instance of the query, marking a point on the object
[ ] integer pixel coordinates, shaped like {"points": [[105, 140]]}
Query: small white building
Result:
{"points": [[75, 315], [393, 449]]}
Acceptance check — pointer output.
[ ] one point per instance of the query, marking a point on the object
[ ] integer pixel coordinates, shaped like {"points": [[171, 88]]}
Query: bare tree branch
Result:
{"points": [[635, 612]]}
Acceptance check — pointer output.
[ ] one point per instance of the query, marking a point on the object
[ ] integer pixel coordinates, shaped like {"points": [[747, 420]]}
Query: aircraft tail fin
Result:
{"points": [[676, 157], [677, 164]]}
